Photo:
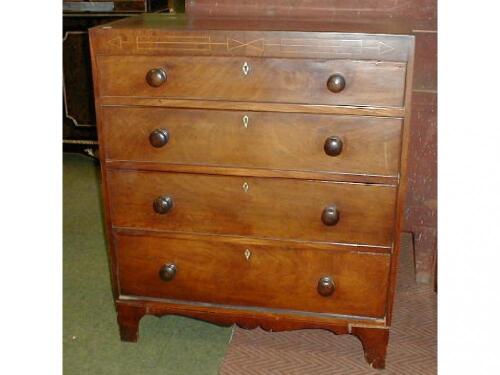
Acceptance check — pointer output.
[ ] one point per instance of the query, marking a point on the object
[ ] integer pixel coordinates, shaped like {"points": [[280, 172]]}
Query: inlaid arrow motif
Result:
{"points": [[231, 44], [380, 46], [177, 42], [257, 44], [340, 46], [115, 42]]}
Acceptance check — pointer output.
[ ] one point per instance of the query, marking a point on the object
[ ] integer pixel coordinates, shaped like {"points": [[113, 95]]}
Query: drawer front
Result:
{"points": [[367, 83], [271, 275], [259, 207], [280, 141]]}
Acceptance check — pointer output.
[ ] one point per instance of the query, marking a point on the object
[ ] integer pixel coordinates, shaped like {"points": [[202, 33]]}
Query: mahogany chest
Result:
{"points": [[254, 171]]}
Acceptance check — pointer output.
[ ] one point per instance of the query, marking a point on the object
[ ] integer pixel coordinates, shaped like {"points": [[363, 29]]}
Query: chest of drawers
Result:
{"points": [[254, 171]]}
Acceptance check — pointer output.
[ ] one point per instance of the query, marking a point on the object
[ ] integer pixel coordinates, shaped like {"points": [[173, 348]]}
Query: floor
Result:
{"points": [[182, 346]]}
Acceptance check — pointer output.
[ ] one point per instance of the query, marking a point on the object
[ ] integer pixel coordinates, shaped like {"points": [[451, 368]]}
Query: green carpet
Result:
{"points": [[170, 345]]}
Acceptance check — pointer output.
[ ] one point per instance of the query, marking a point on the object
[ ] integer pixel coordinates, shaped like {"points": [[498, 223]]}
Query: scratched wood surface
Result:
{"points": [[250, 276], [421, 209]]}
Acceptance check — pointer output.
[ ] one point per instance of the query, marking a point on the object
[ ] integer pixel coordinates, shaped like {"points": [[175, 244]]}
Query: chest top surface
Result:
{"points": [[349, 38]]}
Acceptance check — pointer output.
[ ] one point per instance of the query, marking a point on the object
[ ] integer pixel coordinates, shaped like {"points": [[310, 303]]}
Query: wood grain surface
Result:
{"points": [[157, 34], [270, 208], [217, 271], [269, 80], [292, 142]]}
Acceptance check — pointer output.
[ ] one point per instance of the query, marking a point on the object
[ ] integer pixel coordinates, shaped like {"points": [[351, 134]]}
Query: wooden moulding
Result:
{"points": [[373, 334], [250, 241], [251, 106], [255, 172]]}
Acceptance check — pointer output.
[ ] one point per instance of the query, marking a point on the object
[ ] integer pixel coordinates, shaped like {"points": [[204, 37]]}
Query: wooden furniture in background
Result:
{"points": [[79, 123], [254, 171], [176, 6]]}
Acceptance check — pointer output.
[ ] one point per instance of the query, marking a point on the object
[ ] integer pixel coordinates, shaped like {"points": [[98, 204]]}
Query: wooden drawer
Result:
{"points": [[249, 206], [253, 273], [368, 83], [278, 141]]}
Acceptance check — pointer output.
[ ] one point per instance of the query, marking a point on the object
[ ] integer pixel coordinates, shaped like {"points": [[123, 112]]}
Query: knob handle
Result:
{"points": [[156, 77], [330, 215], [159, 138], [326, 286], [167, 272], [336, 83], [163, 204], [333, 146]]}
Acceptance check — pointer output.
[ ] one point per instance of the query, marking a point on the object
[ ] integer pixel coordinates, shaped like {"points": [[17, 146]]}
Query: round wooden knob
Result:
{"points": [[167, 272], [163, 204], [336, 83], [156, 77], [333, 146], [159, 138], [326, 286], [330, 215]]}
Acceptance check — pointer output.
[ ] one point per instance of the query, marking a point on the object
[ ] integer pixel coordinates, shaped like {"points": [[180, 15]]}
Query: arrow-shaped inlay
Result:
{"points": [[372, 47], [381, 47], [115, 42], [257, 44], [345, 47]]}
